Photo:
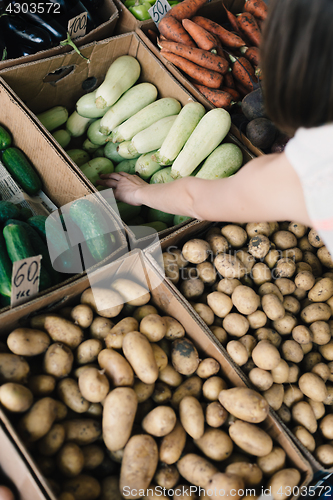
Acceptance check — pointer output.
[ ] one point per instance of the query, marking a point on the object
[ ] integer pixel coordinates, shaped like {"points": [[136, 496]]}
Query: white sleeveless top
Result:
{"points": [[310, 153]]}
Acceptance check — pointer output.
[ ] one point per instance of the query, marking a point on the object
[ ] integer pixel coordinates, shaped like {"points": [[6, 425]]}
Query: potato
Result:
{"points": [[94, 385], [292, 394], [259, 246], [324, 454], [58, 360], [250, 473], [300, 294], [314, 262], [245, 404], [172, 444], [301, 334], [28, 342], [83, 487], [212, 388], [118, 417], [174, 330], [326, 427], [170, 376], [205, 312], [325, 257], [295, 254], [196, 469], [153, 327], [70, 394], [284, 413], [38, 420], [231, 484], [327, 351], [245, 300], [292, 351], [206, 272], [82, 315], [302, 414], [106, 302], [255, 228], [304, 280], [246, 259], [273, 461], [184, 492], [313, 387], [251, 438], [117, 368], [261, 273], [95, 410], [70, 460], [310, 360], [192, 386], [170, 267], [229, 266], [249, 343], [236, 324], [51, 443], [314, 239], [322, 370], [265, 355], [261, 379], [63, 330], [217, 242], [184, 356], [280, 373], [284, 240], [208, 367], [268, 334], [80, 369], [162, 393], [196, 251], [93, 456], [61, 411], [110, 488], [192, 288], [274, 396], [298, 229], [272, 257], [13, 368], [160, 421], [322, 290], [88, 351], [294, 373], [192, 417], [268, 287], [82, 431], [235, 235], [132, 293], [138, 465], [216, 415], [285, 268], [321, 332], [220, 303], [285, 325], [272, 307], [227, 285], [100, 327], [166, 477], [283, 482], [15, 397], [114, 339], [237, 352], [160, 357], [220, 334]]}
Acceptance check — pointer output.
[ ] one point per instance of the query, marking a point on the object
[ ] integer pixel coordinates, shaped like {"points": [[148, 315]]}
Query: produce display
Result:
{"points": [[140, 8], [265, 290], [123, 126], [116, 401]]}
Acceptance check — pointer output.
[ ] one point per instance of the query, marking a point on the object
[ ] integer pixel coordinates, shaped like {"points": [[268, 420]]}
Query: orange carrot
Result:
{"points": [[173, 30], [249, 26], [243, 71], [232, 19], [226, 37], [233, 92], [186, 9], [257, 8], [201, 57], [219, 98], [152, 35], [241, 89], [251, 54], [229, 80], [202, 37], [206, 77]]}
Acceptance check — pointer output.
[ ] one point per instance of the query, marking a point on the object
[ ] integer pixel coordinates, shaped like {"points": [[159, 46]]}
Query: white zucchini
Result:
{"points": [[62, 137], [161, 108], [97, 166], [124, 152], [94, 134], [182, 128], [207, 135], [89, 146], [134, 99], [152, 137], [162, 176], [121, 75], [224, 161], [77, 125], [54, 117], [145, 166], [86, 106]]}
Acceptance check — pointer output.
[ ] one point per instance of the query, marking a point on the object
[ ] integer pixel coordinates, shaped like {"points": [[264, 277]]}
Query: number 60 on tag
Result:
{"points": [[25, 279]]}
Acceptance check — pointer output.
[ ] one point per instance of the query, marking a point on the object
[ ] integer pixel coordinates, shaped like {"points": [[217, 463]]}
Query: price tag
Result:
{"points": [[77, 26], [158, 10], [25, 279]]}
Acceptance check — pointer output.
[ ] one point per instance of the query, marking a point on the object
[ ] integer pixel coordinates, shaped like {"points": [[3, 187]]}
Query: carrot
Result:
{"points": [[173, 30], [232, 19], [241, 89], [202, 37], [186, 9], [219, 98], [229, 80], [206, 77], [248, 25], [251, 54], [243, 71], [152, 35], [257, 8], [201, 57], [226, 37], [233, 92]]}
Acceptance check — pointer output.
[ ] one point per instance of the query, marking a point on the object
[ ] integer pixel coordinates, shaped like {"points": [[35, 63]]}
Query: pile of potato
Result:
{"points": [[115, 402], [266, 291]]}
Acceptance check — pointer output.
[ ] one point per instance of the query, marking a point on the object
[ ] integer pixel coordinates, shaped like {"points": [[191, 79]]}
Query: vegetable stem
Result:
{"points": [[70, 42]]}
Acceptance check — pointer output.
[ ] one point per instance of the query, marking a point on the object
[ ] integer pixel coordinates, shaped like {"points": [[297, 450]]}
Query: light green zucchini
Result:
{"points": [[110, 151], [86, 106], [145, 166], [77, 125], [124, 152], [94, 134], [121, 75], [181, 129], [99, 153], [97, 166], [126, 166], [161, 108], [134, 99], [62, 137], [179, 219], [79, 156], [224, 161], [89, 146], [53, 118], [207, 135], [162, 176], [158, 215], [152, 137]]}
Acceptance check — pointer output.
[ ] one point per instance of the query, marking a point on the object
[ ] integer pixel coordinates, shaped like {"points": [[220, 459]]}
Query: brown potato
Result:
{"points": [[212, 388], [237, 352], [13, 368], [160, 357], [94, 385], [255, 228], [314, 239], [172, 444], [285, 268], [216, 415], [38, 420], [217, 242], [208, 367], [70, 394], [294, 373], [82, 315], [295, 254], [100, 327], [132, 293], [235, 235], [215, 444], [227, 285], [246, 259], [251, 438], [257, 319], [62, 330], [170, 267], [313, 387], [301, 334], [259, 246], [249, 343], [285, 325], [261, 273], [298, 229], [83, 487], [272, 307], [265, 355], [174, 329], [162, 393], [116, 368], [70, 460], [88, 351], [153, 327], [142, 311], [261, 379], [245, 404], [314, 262], [292, 351], [273, 462], [304, 436], [220, 334], [95, 410], [196, 470], [284, 240], [274, 396], [250, 473], [324, 454], [326, 426], [28, 341], [291, 304], [192, 386], [170, 376], [114, 339], [282, 482], [284, 413], [245, 300], [58, 360], [139, 353], [51, 443], [93, 456], [235, 324], [196, 251], [82, 431], [15, 397], [327, 351], [220, 303], [231, 484], [272, 257], [192, 417], [105, 302], [205, 312], [160, 421], [229, 266], [302, 414], [292, 394], [192, 288], [305, 280], [269, 287], [310, 360], [166, 476], [321, 332], [184, 356], [325, 257], [118, 417], [206, 272], [268, 334], [322, 370], [280, 374]]}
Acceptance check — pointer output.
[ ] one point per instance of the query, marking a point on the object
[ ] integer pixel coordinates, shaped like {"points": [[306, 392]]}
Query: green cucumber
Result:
{"points": [[37, 222], [97, 166], [126, 166], [9, 211], [62, 137], [94, 134], [19, 247], [94, 226], [54, 117], [162, 176], [110, 151], [79, 156], [21, 170], [158, 215], [5, 272], [179, 219], [126, 211], [5, 138], [25, 213]]}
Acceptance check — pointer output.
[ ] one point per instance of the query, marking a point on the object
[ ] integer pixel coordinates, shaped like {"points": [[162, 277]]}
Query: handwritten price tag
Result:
{"points": [[158, 10], [77, 26], [25, 279]]}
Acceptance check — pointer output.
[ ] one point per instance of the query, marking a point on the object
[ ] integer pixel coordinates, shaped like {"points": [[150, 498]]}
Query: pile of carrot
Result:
{"points": [[223, 64]]}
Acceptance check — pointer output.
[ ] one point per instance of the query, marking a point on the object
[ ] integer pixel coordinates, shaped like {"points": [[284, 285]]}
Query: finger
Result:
{"points": [[116, 176], [125, 174], [108, 182]]}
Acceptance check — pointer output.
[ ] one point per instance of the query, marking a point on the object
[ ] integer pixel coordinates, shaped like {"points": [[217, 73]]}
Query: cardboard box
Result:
{"points": [[109, 15], [68, 73], [138, 268], [60, 183]]}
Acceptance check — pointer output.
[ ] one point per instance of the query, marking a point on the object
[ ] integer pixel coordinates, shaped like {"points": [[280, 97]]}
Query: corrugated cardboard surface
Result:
{"points": [[108, 13], [163, 297], [60, 183]]}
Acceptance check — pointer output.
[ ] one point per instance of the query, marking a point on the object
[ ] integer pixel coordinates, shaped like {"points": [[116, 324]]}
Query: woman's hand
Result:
{"points": [[125, 186]]}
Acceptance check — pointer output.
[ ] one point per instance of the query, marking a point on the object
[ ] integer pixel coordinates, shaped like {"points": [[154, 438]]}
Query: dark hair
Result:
{"points": [[297, 63]]}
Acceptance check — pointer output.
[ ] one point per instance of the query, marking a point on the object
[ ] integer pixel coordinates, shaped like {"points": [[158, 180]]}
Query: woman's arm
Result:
{"points": [[267, 188]]}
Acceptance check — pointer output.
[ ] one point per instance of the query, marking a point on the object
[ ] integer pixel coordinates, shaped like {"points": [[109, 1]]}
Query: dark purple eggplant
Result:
{"points": [[68, 9]]}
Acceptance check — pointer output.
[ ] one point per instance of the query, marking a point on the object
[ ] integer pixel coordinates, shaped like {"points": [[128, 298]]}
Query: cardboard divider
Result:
{"points": [[109, 16], [60, 183], [138, 268]]}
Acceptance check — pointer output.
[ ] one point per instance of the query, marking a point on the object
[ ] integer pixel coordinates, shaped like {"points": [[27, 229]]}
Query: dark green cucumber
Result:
{"points": [[25, 213], [5, 138], [94, 226], [5, 272], [39, 247], [21, 170], [38, 223], [19, 247], [126, 211], [9, 211]]}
